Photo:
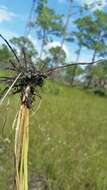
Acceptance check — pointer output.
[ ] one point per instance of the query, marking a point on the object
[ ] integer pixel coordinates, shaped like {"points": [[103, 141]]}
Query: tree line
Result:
{"points": [[88, 31]]}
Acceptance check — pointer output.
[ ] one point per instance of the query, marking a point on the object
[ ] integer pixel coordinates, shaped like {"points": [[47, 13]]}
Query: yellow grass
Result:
{"points": [[21, 149]]}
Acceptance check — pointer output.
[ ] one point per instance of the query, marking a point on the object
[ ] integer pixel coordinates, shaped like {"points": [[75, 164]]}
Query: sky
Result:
{"points": [[14, 14]]}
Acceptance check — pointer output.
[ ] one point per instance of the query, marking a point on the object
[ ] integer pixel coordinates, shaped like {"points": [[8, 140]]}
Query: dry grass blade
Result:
{"points": [[14, 121], [8, 91], [21, 149], [38, 106]]}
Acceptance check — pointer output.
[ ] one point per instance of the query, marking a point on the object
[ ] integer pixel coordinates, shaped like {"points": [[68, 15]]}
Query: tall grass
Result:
{"points": [[68, 141]]}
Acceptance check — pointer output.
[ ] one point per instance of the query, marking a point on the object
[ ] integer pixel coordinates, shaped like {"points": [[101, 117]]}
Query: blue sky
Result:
{"points": [[14, 14]]}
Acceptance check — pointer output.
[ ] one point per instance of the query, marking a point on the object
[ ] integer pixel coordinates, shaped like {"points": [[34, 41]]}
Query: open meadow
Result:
{"points": [[68, 140]]}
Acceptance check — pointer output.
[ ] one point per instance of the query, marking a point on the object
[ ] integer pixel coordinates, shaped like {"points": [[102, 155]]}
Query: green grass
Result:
{"points": [[68, 140]]}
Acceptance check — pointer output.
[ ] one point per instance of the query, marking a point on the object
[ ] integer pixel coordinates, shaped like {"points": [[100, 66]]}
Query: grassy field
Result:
{"points": [[68, 141]]}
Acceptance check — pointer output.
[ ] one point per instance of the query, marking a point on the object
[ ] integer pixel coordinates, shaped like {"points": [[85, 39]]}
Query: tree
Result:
{"points": [[48, 23], [100, 74], [54, 55], [26, 49], [69, 73], [55, 59], [78, 36], [94, 30], [5, 55]]}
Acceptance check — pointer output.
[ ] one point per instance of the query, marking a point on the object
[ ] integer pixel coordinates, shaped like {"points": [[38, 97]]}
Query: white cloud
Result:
{"points": [[94, 4], [7, 34], [35, 42], [6, 14], [70, 53]]}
